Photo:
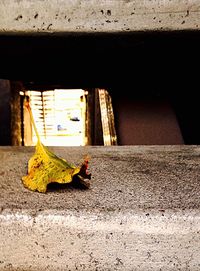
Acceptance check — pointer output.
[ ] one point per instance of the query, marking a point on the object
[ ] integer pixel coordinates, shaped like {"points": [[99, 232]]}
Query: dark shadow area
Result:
{"points": [[52, 187], [5, 113], [141, 62], [145, 66], [75, 184]]}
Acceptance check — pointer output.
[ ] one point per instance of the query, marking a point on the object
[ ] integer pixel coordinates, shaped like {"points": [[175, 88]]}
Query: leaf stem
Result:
{"points": [[27, 105]]}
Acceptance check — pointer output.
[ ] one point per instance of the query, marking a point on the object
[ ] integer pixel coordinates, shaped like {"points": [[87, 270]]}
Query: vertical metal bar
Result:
{"points": [[43, 114]]}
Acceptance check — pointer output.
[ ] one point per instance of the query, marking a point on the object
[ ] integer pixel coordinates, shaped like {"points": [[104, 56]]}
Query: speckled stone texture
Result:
{"points": [[142, 211], [94, 16]]}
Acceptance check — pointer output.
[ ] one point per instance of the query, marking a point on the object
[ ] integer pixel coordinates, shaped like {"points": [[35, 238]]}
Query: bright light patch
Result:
{"points": [[59, 116]]}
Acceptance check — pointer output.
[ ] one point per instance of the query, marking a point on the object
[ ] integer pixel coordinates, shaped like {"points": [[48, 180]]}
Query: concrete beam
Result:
{"points": [[142, 212], [94, 16]]}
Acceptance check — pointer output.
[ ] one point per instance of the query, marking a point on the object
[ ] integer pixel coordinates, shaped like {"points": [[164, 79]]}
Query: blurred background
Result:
{"points": [[103, 89]]}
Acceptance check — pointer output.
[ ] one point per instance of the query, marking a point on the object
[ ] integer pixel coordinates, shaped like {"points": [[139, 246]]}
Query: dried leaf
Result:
{"points": [[45, 167]]}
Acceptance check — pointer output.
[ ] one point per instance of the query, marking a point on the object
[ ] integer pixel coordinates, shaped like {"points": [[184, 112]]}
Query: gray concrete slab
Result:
{"points": [[142, 212], [94, 16]]}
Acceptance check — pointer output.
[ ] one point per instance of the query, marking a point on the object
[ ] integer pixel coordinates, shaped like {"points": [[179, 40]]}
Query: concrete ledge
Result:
{"points": [[141, 213], [56, 16]]}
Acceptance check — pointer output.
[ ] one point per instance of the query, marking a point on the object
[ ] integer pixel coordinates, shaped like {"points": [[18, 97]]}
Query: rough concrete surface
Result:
{"points": [[55, 16], [142, 211]]}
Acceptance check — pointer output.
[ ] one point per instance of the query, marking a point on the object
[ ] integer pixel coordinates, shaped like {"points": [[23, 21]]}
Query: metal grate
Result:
{"points": [[59, 116], [43, 106]]}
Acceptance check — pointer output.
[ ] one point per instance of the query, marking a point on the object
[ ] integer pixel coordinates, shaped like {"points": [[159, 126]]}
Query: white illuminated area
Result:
{"points": [[59, 116]]}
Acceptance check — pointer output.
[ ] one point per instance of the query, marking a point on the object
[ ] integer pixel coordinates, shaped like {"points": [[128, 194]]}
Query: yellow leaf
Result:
{"points": [[45, 167]]}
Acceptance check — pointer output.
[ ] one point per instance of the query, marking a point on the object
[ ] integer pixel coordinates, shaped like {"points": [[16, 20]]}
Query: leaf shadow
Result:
{"points": [[76, 183]]}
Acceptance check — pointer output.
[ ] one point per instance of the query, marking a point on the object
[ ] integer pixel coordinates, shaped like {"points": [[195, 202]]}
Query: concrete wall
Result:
{"points": [[146, 122], [106, 58], [56, 16], [141, 212]]}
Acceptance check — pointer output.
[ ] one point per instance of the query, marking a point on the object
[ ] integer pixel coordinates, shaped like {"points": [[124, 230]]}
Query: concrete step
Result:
{"points": [[94, 16], [142, 211]]}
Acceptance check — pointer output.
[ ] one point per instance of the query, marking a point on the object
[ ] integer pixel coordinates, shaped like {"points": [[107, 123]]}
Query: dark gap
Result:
{"points": [[143, 65]]}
